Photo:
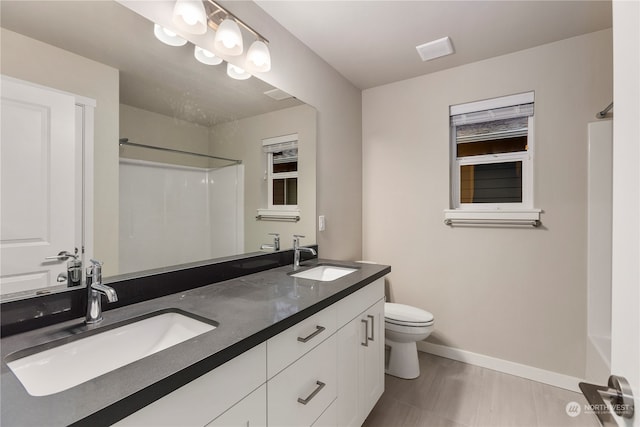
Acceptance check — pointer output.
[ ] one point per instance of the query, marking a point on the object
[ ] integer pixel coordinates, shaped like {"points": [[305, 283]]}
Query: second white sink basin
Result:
{"points": [[59, 368], [324, 273]]}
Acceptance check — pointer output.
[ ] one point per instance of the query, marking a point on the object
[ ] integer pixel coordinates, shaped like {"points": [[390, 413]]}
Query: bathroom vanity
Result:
{"points": [[285, 350]]}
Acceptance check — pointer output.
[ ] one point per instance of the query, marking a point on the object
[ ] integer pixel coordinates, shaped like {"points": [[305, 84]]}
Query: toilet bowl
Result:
{"points": [[404, 326]]}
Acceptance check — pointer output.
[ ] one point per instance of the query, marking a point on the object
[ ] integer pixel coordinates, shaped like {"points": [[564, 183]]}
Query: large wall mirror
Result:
{"points": [[155, 209]]}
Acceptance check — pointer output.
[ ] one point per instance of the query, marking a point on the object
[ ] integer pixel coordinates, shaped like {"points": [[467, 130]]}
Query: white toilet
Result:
{"points": [[404, 326]]}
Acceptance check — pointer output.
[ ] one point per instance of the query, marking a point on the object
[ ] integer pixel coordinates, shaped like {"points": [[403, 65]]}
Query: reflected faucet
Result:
{"points": [[95, 289], [276, 243], [297, 249]]}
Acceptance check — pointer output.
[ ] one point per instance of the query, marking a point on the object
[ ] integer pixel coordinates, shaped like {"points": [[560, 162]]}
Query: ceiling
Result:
{"points": [[372, 43]]}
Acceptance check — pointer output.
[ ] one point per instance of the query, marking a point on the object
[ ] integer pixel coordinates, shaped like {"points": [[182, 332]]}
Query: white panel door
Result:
{"points": [[38, 161]]}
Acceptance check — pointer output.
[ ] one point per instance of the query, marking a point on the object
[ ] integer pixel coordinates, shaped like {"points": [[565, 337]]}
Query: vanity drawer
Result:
{"points": [[288, 346], [348, 308], [249, 412], [205, 398], [300, 394], [329, 417]]}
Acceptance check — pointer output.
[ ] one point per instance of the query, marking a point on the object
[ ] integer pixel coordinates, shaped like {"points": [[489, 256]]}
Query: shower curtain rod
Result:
{"points": [[125, 141], [603, 113]]}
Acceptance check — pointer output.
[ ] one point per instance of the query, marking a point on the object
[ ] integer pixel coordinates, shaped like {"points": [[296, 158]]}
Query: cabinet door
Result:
{"points": [[360, 365], [348, 356], [371, 359], [249, 412]]}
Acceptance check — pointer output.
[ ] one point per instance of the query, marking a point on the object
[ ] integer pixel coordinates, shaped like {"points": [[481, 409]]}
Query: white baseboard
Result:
{"points": [[512, 368]]}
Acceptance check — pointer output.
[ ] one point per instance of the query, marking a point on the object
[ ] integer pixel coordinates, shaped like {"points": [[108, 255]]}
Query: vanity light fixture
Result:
{"points": [[228, 38], [167, 36], [195, 16], [190, 16], [435, 49], [236, 72], [258, 57], [206, 57]]}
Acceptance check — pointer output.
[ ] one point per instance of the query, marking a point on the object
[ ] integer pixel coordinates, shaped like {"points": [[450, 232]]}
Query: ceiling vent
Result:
{"points": [[278, 94], [435, 49]]}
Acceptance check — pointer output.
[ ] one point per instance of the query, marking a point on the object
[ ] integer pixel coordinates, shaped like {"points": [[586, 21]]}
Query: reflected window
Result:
{"points": [[282, 171]]}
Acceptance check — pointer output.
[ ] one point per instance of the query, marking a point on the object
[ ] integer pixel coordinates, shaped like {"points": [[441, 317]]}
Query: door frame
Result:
{"points": [[625, 296]]}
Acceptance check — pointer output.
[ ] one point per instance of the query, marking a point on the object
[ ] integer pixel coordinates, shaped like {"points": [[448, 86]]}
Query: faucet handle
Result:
{"points": [[296, 240], [95, 269]]}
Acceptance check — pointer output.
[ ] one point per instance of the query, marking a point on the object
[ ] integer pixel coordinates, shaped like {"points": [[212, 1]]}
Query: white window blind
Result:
{"points": [[498, 129], [280, 144]]}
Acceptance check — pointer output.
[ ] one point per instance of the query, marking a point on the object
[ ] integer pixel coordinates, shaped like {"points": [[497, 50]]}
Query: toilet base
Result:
{"points": [[403, 360]]}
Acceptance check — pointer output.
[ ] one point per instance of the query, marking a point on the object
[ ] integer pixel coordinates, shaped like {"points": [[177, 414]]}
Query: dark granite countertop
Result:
{"points": [[249, 310]]}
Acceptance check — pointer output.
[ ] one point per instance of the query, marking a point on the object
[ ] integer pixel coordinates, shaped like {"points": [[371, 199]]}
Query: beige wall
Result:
{"points": [[242, 139], [299, 71], [31, 60], [514, 294], [149, 128]]}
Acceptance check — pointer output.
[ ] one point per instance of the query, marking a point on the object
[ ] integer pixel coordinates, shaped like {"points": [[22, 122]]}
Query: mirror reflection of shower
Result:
{"points": [[173, 214]]}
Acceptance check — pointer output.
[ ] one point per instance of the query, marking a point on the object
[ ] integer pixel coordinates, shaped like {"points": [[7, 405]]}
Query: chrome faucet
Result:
{"points": [[297, 249], [276, 243], [95, 289]]}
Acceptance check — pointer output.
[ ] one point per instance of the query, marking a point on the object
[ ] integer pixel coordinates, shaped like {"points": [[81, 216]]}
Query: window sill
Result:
{"points": [[278, 215], [519, 217]]}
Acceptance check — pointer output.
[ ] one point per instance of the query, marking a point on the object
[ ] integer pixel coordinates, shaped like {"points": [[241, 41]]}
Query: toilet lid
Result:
{"points": [[406, 314]]}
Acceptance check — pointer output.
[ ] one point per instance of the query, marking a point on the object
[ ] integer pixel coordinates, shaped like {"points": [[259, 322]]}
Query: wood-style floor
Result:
{"points": [[449, 393]]}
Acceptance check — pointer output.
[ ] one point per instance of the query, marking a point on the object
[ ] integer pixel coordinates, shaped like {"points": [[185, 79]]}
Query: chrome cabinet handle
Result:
{"points": [[317, 331], [373, 324], [320, 385], [366, 331]]}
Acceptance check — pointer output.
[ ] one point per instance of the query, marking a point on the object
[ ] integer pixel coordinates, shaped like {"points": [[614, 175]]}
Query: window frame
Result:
{"points": [[493, 214], [272, 176], [526, 157]]}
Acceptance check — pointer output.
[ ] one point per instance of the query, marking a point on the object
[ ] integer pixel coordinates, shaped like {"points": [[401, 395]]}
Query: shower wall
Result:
{"points": [[175, 214]]}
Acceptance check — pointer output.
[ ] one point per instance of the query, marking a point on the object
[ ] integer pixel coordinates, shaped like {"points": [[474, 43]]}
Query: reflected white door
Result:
{"points": [[38, 161]]}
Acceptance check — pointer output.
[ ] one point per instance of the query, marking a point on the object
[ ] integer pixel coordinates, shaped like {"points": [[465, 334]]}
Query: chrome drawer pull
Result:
{"points": [[366, 331], [320, 385], [318, 330], [373, 324]]}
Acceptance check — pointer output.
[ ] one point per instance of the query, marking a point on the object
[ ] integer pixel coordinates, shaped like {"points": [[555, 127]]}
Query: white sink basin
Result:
{"points": [[324, 273], [60, 368]]}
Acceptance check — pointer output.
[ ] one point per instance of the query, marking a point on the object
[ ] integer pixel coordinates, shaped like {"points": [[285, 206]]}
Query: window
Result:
{"points": [[282, 172], [492, 156]]}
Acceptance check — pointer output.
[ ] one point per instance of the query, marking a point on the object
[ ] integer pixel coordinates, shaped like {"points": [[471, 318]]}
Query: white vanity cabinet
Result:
{"points": [[327, 370]]}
